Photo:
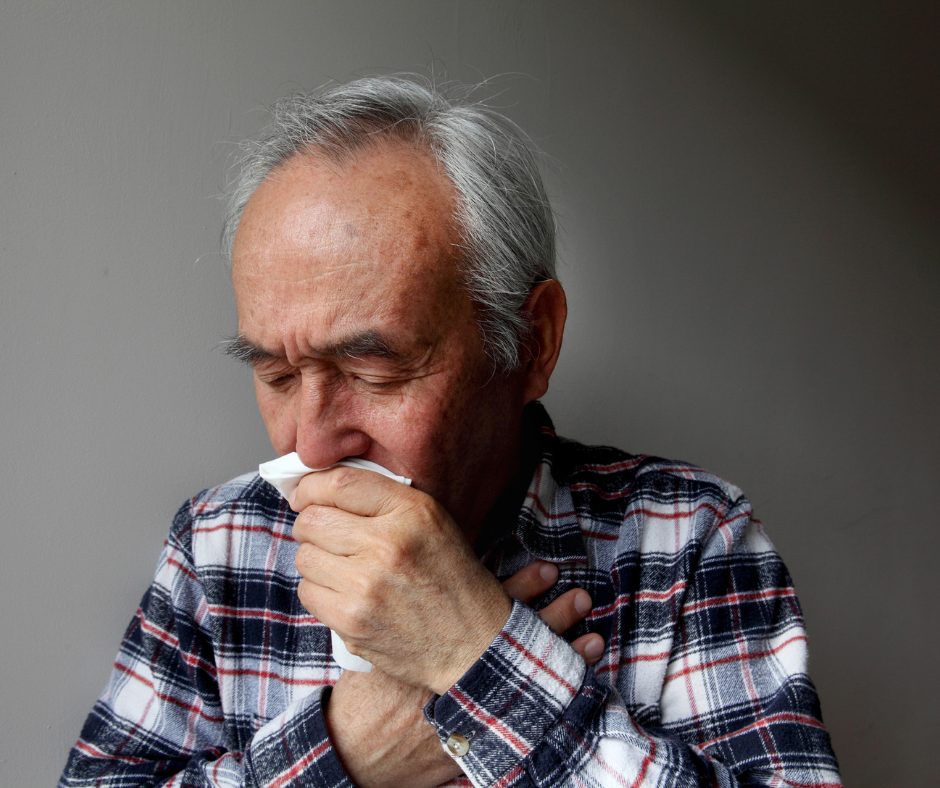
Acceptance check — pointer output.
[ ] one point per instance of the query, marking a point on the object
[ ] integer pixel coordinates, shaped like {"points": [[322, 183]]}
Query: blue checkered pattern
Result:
{"points": [[221, 674]]}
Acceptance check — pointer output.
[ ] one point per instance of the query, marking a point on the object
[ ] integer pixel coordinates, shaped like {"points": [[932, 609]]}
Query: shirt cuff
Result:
{"points": [[500, 709], [294, 748]]}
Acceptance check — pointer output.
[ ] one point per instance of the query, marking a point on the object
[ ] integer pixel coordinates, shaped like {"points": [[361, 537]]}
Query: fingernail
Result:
{"points": [[594, 649], [582, 602], [549, 572]]}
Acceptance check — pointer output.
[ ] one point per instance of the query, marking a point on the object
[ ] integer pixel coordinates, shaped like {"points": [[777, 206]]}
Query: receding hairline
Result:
{"points": [[503, 214], [341, 160], [443, 228]]}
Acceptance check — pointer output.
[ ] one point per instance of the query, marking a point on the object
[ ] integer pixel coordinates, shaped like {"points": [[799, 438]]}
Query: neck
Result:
{"points": [[502, 517]]}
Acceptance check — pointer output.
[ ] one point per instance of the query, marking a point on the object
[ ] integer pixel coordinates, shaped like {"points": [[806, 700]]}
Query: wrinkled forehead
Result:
{"points": [[348, 238], [390, 195]]}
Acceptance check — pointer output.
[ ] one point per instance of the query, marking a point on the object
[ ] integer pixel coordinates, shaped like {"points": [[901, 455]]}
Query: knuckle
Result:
{"points": [[300, 528], [392, 547], [424, 508], [396, 555], [305, 595], [356, 618], [306, 520], [341, 478], [302, 557]]}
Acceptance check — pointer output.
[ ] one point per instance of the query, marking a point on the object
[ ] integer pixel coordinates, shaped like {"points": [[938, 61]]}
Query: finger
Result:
{"points": [[590, 647], [531, 581], [322, 602], [320, 567], [353, 490], [331, 529], [567, 610]]}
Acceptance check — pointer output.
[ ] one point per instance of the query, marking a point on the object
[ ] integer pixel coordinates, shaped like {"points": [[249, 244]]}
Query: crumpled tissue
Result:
{"points": [[285, 474]]}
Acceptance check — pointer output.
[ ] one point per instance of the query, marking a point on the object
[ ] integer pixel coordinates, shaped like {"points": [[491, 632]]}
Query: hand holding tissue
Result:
{"points": [[285, 474], [389, 569]]}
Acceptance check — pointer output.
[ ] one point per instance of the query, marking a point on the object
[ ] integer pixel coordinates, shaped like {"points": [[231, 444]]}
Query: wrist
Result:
{"points": [[487, 626]]}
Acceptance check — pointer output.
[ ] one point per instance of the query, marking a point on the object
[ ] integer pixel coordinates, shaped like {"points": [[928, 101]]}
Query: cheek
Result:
{"points": [[277, 414], [432, 426]]}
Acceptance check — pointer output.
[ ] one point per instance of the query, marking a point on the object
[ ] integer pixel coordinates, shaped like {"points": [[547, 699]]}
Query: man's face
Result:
{"points": [[364, 342]]}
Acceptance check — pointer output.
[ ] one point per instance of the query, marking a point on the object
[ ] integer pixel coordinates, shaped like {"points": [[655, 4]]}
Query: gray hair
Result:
{"points": [[506, 221]]}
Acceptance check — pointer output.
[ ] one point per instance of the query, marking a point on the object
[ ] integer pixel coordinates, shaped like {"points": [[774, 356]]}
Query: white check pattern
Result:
{"points": [[221, 675]]}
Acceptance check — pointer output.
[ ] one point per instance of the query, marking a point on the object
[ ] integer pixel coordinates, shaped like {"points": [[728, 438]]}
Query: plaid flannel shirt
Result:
{"points": [[221, 674]]}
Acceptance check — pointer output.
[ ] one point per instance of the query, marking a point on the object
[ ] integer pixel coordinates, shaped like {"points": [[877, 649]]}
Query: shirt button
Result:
{"points": [[457, 745]]}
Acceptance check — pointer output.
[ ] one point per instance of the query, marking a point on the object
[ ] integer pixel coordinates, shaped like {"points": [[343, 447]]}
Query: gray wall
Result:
{"points": [[742, 295]]}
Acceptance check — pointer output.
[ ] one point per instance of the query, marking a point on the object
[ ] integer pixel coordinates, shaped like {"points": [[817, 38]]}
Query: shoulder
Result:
{"points": [[634, 496], [607, 473], [246, 510], [248, 492]]}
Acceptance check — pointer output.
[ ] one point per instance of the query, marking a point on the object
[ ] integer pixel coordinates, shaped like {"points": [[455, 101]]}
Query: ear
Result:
{"points": [[547, 309]]}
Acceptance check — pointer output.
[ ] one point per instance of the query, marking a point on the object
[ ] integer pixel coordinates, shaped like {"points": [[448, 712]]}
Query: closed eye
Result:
{"points": [[376, 383], [278, 380]]}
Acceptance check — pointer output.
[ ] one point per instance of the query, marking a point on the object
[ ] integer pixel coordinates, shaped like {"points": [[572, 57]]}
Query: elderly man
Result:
{"points": [[392, 258]]}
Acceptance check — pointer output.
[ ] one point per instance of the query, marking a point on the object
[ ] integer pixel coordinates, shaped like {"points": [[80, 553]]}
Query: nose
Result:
{"points": [[328, 423]]}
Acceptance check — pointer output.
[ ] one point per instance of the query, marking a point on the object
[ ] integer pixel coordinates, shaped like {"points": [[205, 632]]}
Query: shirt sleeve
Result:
{"points": [[736, 705], [160, 720]]}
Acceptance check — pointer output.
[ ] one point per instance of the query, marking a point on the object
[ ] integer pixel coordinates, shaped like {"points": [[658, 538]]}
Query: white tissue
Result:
{"points": [[345, 659], [285, 474]]}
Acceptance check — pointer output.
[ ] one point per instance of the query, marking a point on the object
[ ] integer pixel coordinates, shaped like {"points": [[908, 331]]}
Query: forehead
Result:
{"points": [[371, 239]]}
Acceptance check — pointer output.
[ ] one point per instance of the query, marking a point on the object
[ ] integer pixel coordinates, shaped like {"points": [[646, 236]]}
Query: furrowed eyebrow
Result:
{"points": [[368, 344], [244, 350], [364, 345]]}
